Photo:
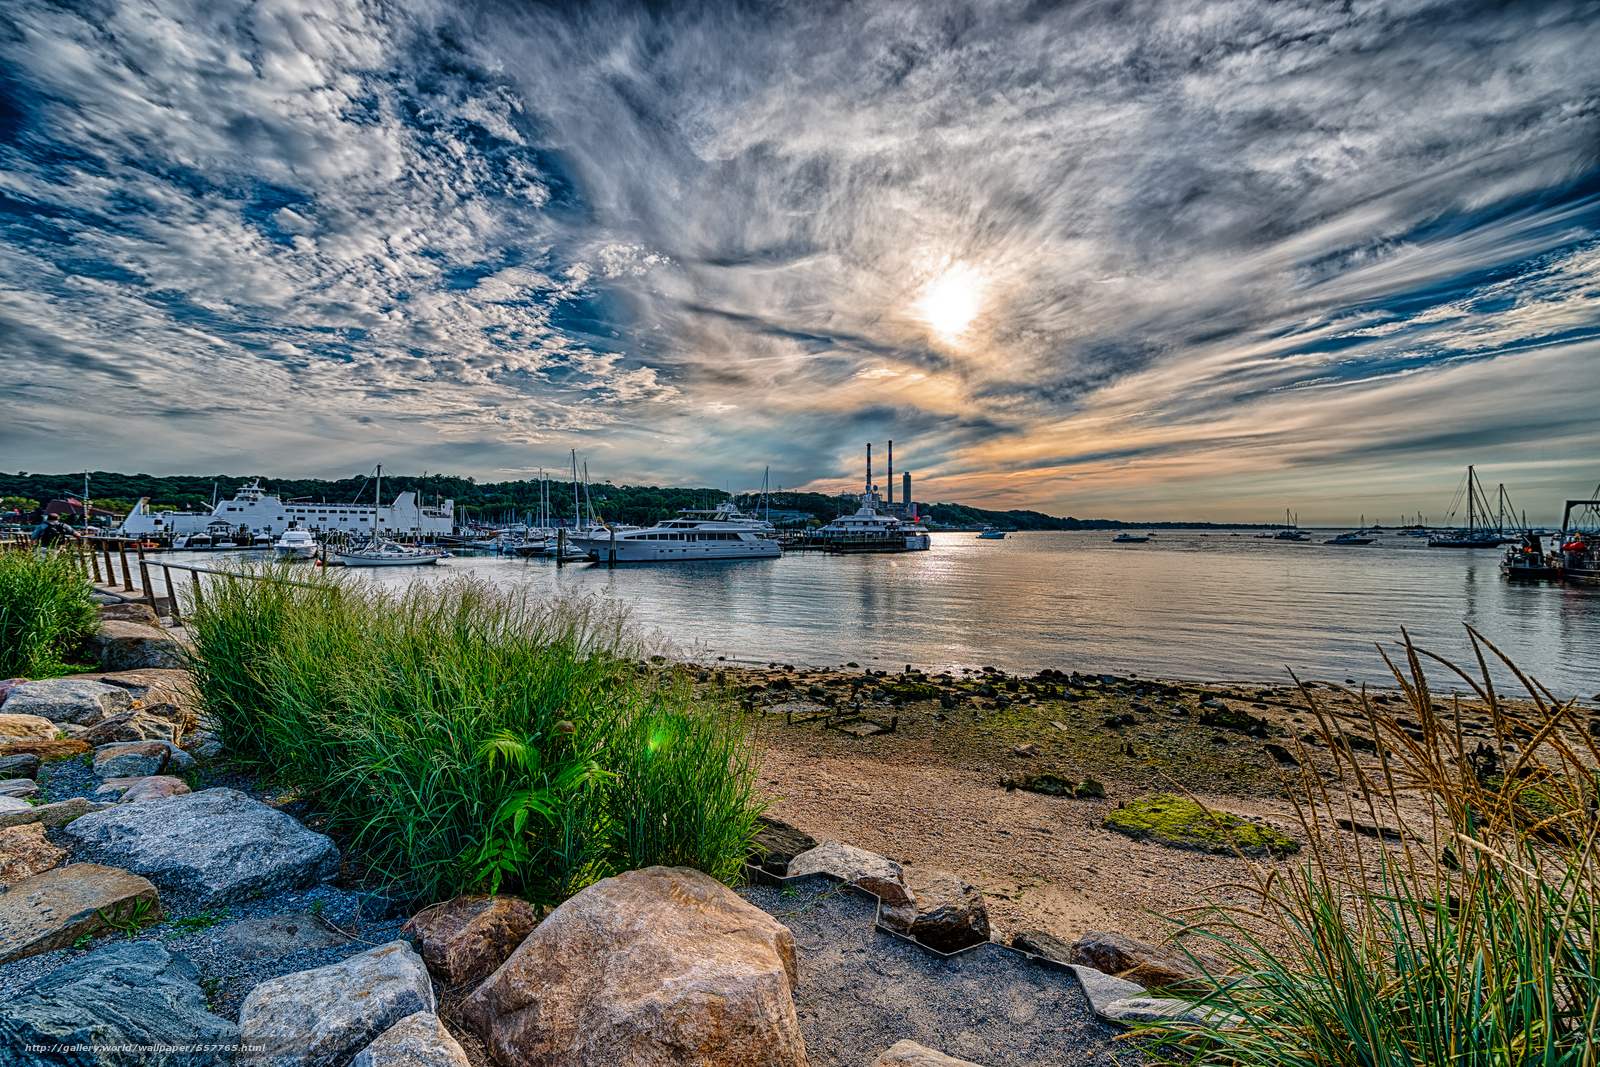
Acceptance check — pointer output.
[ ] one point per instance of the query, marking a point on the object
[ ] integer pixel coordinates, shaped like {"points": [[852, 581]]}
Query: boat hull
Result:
{"points": [[356, 559], [296, 551], [631, 551]]}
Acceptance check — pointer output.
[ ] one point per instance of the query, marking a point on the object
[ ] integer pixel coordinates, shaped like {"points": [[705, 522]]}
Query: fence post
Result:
{"points": [[172, 595], [111, 571], [94, 560], [195, 575], [127, 575], [149, 593]]}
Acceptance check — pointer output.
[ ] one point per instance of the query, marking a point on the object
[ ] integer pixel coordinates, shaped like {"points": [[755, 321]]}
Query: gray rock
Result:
{"points": [[127, 993], [845, 862], [18, 787], [130, 646], [58, 814], [206, 745], [277, 935], [71, 700], [9, 804], [937, 908], [51, 910], [418, 1040], [71, 730], [137, 790], [134, 759], [22, 765], [776, 844], [178, 761], [321, 1018], [911, 1054], [1119, 1001], [214, 846]]}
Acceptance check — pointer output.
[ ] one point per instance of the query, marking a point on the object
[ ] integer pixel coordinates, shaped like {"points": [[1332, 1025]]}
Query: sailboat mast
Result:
{"points": [[576, 514], [1471, 519], [377, 502]]}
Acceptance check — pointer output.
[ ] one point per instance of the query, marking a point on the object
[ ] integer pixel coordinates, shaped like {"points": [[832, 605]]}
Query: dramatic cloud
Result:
{"points": [[1150, 259]]}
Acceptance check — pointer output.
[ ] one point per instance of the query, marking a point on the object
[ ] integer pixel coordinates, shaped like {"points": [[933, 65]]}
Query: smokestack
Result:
{"points": [[906, 497], [891, 474], [869, 466]]}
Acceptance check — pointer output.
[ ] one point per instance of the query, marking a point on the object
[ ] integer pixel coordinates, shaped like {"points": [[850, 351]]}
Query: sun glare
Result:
{"points": [[951, 302]]}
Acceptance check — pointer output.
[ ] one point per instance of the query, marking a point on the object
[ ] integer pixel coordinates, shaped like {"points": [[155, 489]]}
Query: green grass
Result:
{"points": [[1482, 949], [463, 737], [46, 610]]}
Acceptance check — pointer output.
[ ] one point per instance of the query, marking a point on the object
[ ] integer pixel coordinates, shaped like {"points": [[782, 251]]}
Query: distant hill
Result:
{"points": [[495, 500]]}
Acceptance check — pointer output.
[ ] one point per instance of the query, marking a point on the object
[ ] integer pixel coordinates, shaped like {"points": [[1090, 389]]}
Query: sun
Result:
{"points": [[951, 302]]}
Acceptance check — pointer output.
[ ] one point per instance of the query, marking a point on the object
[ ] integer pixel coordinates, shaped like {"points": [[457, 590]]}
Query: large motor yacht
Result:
{"points": [[679, 540]]}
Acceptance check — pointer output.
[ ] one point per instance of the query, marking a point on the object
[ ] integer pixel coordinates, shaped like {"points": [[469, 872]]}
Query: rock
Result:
{"points": [[71, 730], [936, 907], [154, 686], [1355, 826], [862, 729], [465, 939], [217, 846], [129, 993], [6, 685], [127, 646], [24, 852], [26, 728], [1281, 754], [844, 862], [130, 612], [58, 814], [911, 1054], [1148, 965], [1051, 785], [1041, 943], [135, 725], [776, 843], [72, 700], [206, 745], [45, 750], [418, 1040], [156, 787], [653, 967], [277, 935], [138, 759], [1024, 750], [50, 910], [1181, 823], [321, 1018], [8, 804], [22, 765], [18, 787]]}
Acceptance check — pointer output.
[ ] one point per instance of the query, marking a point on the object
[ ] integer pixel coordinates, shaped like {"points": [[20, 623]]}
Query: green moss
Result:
{"points": [[910, 690], [1180, 823]]}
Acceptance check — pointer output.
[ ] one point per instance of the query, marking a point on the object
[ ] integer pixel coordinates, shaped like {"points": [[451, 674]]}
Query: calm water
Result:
{"points": [[1184, 605]]}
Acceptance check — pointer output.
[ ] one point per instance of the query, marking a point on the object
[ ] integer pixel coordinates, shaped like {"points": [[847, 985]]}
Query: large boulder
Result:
{"points": [[323, 1017], [136, 725], [68, 700], [18, 787], [22, 765], [776, 844], [135, 759], [277, 935], [844, 862], [25, 728], [937, 908], [911, 1054], [1178, 822], [132, 994], [51, 910], [653, 967], [25, 852], [465, 939], [47, 750], [215, 846], [418, 1040], [129, 646], [10, 804], [130, 611]]}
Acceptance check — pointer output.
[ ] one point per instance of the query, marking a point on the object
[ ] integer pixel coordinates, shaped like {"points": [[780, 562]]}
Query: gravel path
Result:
{"points": [[861, 990]]}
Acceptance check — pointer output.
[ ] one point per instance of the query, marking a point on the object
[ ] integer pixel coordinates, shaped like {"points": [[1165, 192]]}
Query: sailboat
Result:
{"points": [[1291, 530], [1473, 536], [382, 552], [1357, 537]]}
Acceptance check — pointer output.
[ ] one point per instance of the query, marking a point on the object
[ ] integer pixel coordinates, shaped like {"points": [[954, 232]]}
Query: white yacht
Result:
{"points": [[254, 511], [385, 553], [867, 531], [297, 544], [678, 541]]}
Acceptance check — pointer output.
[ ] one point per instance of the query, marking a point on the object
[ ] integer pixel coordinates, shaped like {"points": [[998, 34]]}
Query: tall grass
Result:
{"points": [[1475, 939], [463, 736], [46, 610]]}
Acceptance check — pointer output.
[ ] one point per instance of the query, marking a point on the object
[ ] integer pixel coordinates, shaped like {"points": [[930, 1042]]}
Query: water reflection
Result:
{"points": [[1182, 605]]}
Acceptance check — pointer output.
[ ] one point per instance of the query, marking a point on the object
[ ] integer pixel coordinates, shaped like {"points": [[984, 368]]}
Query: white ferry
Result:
{"points": [[259, 512], [696, 536]]}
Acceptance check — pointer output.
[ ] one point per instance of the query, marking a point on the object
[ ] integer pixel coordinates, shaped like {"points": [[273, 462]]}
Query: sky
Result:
{"points": [[1156, 260]]}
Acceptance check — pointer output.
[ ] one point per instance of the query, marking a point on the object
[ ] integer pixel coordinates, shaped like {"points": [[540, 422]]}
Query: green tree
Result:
{"points": [[18, 503]]}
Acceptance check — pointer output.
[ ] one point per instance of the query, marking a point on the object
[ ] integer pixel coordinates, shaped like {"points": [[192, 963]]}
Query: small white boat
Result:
{"points": [[382, 553], [297, 544], [990, 533]]}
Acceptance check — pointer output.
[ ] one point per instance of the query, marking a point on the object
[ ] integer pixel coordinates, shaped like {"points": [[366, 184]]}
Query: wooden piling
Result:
{"points": [[127, 575], [144, 578], [94, 560], [172, 595]]}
